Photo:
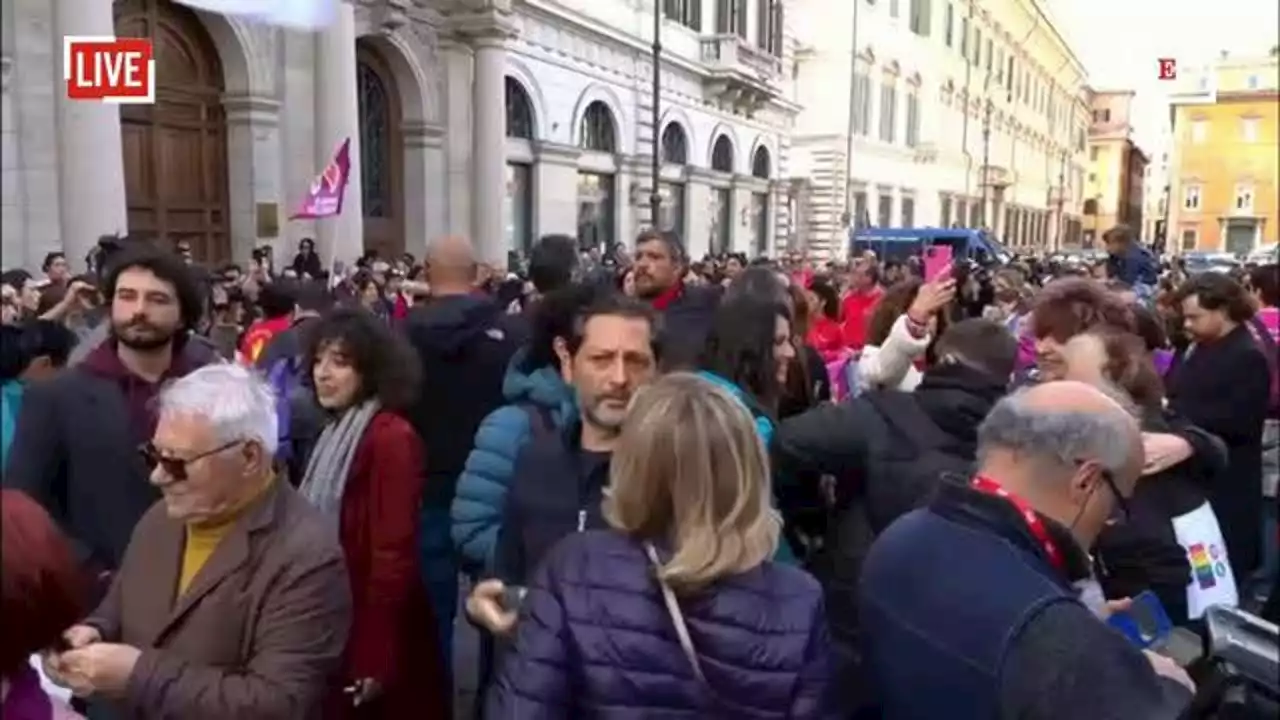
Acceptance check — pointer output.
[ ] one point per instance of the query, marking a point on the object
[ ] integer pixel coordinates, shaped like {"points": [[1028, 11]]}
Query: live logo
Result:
{"points": [[108, 69]]}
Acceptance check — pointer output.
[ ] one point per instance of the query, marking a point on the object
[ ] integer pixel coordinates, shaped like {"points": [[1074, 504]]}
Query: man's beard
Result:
{"points": [[591, 415], [155, 340]]}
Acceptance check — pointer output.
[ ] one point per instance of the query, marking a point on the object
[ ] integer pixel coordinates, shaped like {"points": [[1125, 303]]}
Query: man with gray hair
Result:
{"points": [[972, 607], [232, 600]]}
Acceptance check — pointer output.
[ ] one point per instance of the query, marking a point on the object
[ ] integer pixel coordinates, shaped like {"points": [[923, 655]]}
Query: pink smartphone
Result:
{"points": [[937, 261]]}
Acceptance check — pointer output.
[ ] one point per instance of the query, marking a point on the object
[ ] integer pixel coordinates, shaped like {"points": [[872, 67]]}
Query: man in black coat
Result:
{"points": [[76, 445], [660, 265], [888, 450]]}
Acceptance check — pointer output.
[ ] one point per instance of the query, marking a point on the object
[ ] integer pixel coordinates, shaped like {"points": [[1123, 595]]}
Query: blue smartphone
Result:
{"points": [[1145, 623]]}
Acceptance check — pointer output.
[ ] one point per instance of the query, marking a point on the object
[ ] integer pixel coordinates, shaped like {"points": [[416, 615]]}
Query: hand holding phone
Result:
{"points": [[1144, 621]]}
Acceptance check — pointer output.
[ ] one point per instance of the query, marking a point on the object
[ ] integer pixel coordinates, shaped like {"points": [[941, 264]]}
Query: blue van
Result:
{"points": [[901, 243]]}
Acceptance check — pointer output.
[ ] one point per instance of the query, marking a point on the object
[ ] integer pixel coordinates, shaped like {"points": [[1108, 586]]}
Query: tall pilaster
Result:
{"points": [[91, 189], [489, 148], [338, 118]]}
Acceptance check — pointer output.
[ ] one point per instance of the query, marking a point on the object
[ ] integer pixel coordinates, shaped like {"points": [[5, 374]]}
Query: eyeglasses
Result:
{"points": [[1122, 502], [176, 468]]}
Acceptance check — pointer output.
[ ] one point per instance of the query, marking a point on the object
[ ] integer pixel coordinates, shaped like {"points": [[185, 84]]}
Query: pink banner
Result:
{"points": [[324, 198]]}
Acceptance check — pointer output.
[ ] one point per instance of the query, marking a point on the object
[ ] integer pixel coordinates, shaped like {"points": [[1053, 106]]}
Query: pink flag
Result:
{"points": [[324, 198]]}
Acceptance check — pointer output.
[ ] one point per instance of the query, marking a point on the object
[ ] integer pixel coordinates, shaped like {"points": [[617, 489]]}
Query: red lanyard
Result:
{"points": [[1034, 523]]}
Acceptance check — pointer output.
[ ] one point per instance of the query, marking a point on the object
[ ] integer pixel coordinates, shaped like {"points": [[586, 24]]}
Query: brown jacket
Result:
{"points": [[259, 633]]}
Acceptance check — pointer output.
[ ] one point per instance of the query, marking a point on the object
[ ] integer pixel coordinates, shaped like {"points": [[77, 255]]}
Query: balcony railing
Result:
{"points": [[728, 52]]}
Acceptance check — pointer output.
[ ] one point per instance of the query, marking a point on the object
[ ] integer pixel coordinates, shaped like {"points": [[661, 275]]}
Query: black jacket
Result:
{"points": [[464, 343], [1224, 388], [869, 443], [556, 490], [685, 324]]}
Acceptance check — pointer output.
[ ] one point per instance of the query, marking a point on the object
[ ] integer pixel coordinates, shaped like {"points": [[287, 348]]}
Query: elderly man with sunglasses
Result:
{"points": [[232, 600]]}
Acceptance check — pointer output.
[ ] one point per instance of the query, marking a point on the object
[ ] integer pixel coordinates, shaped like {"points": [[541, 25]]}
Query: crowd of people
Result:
{"points": [[662, 488]]}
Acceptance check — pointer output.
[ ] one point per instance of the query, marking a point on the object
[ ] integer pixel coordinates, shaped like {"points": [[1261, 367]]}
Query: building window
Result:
{"points": [[913, 120], [518, 208], [722, 155], [597, 131], [964, 38], [1199, 131], [861, 215], [519, 111], [976, 217], [768, 25], [1191, 197], [884, 210], [991, 53], [1008, 76], [893, 8], [944, 210], [1093, 153], [675, 145], [1000, 67], [950, 25], [1249, 129], [731, 17], [976, 59], [1253, 82], [862, 104], [907, 212], [721, 220], [1093, 177], [921, 11], [1189, 239], [760, 222], [595, 211], [671, 211], [760, 164], [888, 112], [1244, 199], [686, 12], [375, 142]]}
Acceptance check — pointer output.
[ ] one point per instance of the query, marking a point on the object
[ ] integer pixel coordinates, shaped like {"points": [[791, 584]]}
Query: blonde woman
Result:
{"points": [[676, 611]]}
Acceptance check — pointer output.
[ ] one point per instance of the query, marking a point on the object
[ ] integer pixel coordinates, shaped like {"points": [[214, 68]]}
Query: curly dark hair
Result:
{"points": [[1065, 308], [388, 368], [1129, 366], [1218, 292], [896, 301], [168, 267]]}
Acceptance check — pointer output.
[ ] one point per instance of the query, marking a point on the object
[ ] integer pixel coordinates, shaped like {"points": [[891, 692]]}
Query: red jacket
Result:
{"points": [[827, 337], [393, 627], [856, 309]]}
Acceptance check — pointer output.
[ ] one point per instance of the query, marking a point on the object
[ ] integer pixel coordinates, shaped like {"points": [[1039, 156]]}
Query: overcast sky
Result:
{"points": [[1120, 41]]}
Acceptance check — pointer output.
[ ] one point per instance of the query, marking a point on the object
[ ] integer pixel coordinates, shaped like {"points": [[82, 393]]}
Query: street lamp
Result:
{"points": [[1062, 198], [655, 197], [853, 109], [985, 177]]}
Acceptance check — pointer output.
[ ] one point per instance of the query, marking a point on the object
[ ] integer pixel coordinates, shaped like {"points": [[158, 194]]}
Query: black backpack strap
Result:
{"points": [[540, 421]]}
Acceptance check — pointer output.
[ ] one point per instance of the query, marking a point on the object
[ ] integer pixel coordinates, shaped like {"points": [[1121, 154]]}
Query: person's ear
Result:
{"points": [[561, 349]]}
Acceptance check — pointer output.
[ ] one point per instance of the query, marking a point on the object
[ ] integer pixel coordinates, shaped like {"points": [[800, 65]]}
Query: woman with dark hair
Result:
{"points": [[306, 263], [365, 473], [32, 352], [1168, 513], [826, 334], [369, 295], [901, 331], [41, 595], [1065, 308]]}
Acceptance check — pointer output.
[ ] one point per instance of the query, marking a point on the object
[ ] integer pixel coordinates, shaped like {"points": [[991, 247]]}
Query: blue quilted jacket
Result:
{"points": [[595, 641], [482, 487]]}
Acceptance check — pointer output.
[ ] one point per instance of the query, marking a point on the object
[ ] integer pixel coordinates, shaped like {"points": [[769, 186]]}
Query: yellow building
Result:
{"points": [[1223, 169], [1117, 166]]}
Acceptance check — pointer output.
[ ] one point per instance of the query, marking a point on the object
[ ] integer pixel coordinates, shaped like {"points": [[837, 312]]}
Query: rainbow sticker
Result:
{"points": [[1201, 566]]}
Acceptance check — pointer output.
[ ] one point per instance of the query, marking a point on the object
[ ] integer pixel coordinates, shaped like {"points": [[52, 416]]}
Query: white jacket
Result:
{"points": [[892, 365]]}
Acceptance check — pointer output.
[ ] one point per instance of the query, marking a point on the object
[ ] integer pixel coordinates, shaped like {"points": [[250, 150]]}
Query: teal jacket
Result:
{"points": [[10, 402]]}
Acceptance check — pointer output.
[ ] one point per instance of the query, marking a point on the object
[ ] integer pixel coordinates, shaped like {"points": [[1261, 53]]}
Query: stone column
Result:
{"points": [[458, 130], [253, 168], [338, 118], [90, 150], [489, 148], [556, 199], [425, 181]]}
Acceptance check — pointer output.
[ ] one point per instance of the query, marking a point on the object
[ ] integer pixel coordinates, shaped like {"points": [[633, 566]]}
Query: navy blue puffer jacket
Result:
{"points": [[595, 641]]}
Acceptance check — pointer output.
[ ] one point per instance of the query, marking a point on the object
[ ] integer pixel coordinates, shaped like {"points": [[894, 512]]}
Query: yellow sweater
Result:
{"points": [[203, 539]]}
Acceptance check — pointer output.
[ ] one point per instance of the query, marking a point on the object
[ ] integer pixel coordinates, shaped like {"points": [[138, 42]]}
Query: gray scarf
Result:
{"points": [[330, 461]]}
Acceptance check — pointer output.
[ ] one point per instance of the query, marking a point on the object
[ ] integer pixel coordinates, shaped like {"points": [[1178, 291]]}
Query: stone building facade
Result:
{"points": [[501, 120]]}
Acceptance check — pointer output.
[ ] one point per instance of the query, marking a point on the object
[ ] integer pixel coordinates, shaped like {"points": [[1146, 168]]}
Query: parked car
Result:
{"points": [[1202, 262]]}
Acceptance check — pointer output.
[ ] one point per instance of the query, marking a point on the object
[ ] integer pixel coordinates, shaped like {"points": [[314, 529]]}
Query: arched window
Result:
{"points": [[519, 111], [675, 146], [375, 141], [760, 163], [722, 154], [598, 131], [1090, 207]]}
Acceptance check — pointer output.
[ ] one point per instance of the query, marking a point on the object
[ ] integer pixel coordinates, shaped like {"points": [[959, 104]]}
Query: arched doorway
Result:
{"points": [[381, 153], [175, 152]]}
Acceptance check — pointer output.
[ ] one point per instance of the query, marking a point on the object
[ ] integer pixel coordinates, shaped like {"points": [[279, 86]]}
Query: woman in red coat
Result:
{"points": [[366, 472]]}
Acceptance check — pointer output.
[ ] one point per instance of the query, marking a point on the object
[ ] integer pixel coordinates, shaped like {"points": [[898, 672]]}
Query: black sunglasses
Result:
{"points": [[176, 468]]}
